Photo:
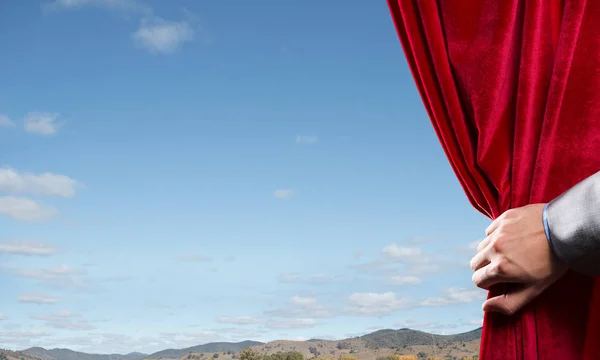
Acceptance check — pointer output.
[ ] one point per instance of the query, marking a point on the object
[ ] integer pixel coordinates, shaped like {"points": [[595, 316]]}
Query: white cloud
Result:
{"points": [[72, 3], [56, 316], [304, 302], [155, 34], [310, 279], [56, 272], [14, 182], [394, 251], [242, 320], [374, 304], [301, 307], [412, 261], [289, 278], [70, 325], [298, 323], [38, 299], [24, 247], [242, 333], [25, 334], [405, 280], [303, 139], [64, 320], [160, 36], [6, 122], [25, 209], [94, 342], [128, 6], [284, 193], [42, 123], [194, 258], [454, 295], [2, 317], [116, 4], [63, 278]]}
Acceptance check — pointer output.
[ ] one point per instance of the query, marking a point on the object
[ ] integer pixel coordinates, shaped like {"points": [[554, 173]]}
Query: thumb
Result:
{"points": [[511, 302]]}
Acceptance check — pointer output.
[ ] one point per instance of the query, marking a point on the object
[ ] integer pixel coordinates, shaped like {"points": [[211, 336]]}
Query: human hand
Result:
{"points": [[516, 250]]}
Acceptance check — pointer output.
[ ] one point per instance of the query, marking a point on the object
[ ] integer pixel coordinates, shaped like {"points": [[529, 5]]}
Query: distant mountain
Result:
{"points": [[206, 348], [396, 338], [364, 347], [66, 354], [15, 355], [379, 344]]}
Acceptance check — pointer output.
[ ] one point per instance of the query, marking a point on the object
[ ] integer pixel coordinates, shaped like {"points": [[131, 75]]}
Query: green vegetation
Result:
{"points": [[251, 354], [343, 346], [393, 338]]}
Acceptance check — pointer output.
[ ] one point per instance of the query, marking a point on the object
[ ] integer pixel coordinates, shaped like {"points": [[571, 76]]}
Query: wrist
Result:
{"points": [[547, 227]]}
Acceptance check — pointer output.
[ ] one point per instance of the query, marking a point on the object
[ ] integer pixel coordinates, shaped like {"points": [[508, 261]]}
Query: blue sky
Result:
{"points": [[181, 172]]}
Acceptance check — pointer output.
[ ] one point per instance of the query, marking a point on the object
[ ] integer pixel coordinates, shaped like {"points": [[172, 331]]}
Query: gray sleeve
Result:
{"points": [[573, 221]]}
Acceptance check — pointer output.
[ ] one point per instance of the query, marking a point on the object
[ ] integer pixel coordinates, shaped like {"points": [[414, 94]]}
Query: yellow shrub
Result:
{"points": [[347, 357], [398, 357], [407, 357]]}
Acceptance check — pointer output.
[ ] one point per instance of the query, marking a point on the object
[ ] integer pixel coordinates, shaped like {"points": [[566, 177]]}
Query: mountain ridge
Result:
{"points": [[375, 343], [205, 348], [68, 354]]}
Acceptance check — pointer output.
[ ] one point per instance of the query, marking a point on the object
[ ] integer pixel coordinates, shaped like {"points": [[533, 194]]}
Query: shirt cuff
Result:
{"points": [[546, 226]]}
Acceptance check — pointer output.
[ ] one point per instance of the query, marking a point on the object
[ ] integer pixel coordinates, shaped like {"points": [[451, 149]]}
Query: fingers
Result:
{"points": [[490, 275], [480, 260], [484, 243], [483, 256], [493, 226], [510, 303]]}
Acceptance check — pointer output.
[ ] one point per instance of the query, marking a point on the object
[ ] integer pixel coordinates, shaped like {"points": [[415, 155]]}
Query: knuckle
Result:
{"points": [[502, 229], [493, 271], [501, 267], [511, 214], [498, 243]]}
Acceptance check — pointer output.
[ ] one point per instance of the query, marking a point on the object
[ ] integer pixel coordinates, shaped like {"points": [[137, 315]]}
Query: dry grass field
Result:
{"points": [[356, 349]]}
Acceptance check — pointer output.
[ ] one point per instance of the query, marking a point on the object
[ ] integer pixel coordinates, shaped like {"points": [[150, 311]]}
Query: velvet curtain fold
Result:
{"points": [[512, 88]]}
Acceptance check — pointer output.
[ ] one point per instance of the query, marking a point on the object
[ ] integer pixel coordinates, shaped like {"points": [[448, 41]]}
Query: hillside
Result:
{"points": [[378, 344], [206, 348], [66, 354], [15, 355], [372, 346], [397, 338]]}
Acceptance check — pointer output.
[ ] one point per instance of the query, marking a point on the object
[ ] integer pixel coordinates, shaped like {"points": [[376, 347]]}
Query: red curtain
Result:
{"points": [[512, 88]]}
